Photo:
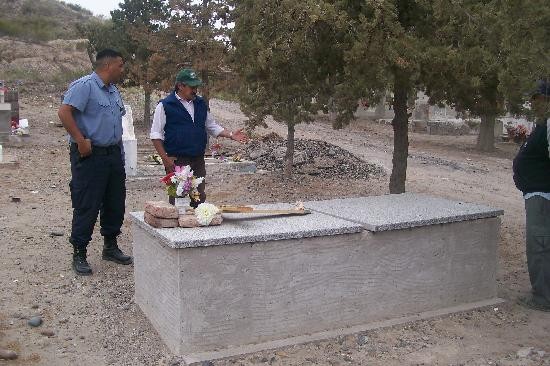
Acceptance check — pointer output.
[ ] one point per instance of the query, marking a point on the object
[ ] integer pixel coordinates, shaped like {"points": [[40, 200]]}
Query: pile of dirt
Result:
{"points": [[311, 157]]}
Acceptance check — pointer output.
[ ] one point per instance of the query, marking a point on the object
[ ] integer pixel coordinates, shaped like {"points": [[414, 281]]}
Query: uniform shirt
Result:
{"points": [[98, 110], [159, 120], [542, 194]]}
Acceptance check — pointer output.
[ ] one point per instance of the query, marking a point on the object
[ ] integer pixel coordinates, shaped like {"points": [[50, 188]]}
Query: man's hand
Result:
{"points": [[169, 164], [85, 148], [239, 136]]}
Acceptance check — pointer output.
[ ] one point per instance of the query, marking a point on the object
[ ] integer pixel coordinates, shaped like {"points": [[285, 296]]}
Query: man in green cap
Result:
{"points": [[181, 123]]}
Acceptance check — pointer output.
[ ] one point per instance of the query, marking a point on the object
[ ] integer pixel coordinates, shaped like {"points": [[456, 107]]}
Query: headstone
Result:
{"points": [[5, 122], [499, 129], [130, 143]]}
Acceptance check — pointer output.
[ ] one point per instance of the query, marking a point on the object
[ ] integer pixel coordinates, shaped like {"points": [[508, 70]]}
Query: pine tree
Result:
{"points": [[285, 56]]}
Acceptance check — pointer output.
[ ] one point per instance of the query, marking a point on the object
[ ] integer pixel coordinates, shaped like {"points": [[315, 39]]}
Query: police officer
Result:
{"points": [[91, 112], [532, 178], [181, 123]]}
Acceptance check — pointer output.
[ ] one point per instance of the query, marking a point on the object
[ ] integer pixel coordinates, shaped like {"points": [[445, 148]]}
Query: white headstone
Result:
{"points": [[129, 141]]}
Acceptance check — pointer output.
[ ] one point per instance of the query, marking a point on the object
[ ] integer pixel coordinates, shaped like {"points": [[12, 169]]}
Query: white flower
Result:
{"points": [[197, 181], [205, 212], [179, 189]]}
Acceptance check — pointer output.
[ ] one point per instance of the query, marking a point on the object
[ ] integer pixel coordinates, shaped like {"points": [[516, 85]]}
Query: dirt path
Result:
{"points": [[95, 322]]}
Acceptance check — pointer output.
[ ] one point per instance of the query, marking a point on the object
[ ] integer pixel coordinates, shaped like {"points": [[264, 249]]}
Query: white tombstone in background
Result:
{"points": [[129, 141]]}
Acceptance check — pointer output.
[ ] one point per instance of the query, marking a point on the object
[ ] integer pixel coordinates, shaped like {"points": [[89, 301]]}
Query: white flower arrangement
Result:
{"points": [[205, 212]]}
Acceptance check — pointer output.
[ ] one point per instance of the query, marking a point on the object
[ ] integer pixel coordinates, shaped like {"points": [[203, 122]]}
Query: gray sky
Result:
{"points": [[98, 7]]}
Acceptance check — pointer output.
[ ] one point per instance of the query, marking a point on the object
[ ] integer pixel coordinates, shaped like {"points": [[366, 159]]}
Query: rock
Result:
{"points": [[300, 157], [362, 339], [161, 209], [35, 321], [158, 222], [34, 306], [207, 363], [255, 154], [524, 352], [348, 358], [56, 233], [7, 354], [16, 199], [48, 333]]}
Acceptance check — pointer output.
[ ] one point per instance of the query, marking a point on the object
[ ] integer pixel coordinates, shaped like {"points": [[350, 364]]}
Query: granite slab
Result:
{"points": [[401, 211], [251, 228]]}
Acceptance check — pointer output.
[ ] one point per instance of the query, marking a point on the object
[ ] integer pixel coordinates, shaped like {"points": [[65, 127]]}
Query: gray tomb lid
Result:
{"points": [[401, 211], [250, 228]]}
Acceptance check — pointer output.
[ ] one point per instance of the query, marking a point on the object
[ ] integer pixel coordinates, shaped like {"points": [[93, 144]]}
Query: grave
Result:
{"points": [[214, 166], [257, 283]]}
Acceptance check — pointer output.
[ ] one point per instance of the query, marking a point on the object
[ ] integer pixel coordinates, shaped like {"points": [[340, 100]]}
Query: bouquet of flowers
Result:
{"points": [[182, 182]]}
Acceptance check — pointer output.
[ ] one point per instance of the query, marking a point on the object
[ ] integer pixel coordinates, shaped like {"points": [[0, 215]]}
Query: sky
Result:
{"points": [[98, 7]]}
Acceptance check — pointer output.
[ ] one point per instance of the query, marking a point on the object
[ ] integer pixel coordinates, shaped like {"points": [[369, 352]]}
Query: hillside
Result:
{"points": [[41, 20]]}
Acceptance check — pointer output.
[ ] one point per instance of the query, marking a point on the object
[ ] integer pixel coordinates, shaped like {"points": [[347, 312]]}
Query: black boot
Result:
{"points": [[80, 264], [111, 252]]}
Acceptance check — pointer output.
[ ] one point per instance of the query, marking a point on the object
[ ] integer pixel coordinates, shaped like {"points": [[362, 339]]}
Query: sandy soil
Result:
{"points": [[93, 320]]}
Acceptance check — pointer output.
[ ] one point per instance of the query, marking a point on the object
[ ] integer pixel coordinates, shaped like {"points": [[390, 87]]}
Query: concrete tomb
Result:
{"points": [[256, 283]]}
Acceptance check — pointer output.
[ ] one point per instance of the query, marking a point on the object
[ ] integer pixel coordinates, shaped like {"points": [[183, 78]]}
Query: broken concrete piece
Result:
{"points": [[189, 220], [161, 209], [158, 222]]}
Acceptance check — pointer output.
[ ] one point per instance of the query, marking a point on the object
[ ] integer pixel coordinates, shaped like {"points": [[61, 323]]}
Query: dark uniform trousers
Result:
{"points": [[98, 186], [198, 166], [538, 247]]}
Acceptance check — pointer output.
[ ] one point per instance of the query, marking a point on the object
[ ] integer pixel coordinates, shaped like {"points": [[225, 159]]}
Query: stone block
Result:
{"points": [[159, 222], [189, 220], [161, 209], [256, 283]]}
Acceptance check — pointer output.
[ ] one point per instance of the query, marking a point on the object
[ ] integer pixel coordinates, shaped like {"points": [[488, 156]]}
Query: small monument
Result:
{"points": [[130, 143]]}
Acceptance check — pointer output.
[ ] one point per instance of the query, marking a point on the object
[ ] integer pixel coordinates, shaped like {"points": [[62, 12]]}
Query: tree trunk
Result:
{"points": [[486, 137], [147, 110], [289, 156], [205, 88], [400, 134]]}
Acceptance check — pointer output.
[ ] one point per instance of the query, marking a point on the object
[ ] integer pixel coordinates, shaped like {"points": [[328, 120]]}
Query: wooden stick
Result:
{"points": [[247, 209]]}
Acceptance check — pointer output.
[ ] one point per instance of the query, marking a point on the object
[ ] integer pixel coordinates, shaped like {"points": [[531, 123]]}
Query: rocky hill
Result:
{"points": [[41, 20], [39, 42]]}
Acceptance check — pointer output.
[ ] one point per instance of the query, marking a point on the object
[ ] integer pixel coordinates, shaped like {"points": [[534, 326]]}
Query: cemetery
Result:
{"points": [[358, 203]]}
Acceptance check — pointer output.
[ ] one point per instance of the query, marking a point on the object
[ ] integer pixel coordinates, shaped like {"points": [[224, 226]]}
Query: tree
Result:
{"points": [[284, 55], [466, 61], [526, 43], [388, 41], [133, 19]]}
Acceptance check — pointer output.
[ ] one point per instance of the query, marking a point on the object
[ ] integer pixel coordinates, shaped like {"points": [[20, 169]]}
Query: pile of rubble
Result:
{"points": [[316, 158]]}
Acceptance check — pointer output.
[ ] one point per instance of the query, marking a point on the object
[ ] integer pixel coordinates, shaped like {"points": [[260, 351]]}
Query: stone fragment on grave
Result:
{"points": [[190, 220], [130, 142], [158, 222], [161, 209]]}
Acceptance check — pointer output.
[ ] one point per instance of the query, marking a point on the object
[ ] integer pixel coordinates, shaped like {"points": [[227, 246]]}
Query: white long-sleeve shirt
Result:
{"points": [[159, 120]]}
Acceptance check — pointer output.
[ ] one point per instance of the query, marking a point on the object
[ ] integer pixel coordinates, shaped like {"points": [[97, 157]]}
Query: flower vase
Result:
{"points": [[182, 203]]}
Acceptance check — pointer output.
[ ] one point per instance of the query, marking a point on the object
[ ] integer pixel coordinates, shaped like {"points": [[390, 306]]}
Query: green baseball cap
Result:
{"points": [[188, 77]]}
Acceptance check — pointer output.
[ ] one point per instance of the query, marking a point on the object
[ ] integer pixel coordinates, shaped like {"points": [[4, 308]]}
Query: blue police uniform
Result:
{"points": [[98, 181]]}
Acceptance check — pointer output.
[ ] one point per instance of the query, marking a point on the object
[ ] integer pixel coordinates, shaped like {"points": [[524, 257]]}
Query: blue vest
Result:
{"points": [[182, 136]]}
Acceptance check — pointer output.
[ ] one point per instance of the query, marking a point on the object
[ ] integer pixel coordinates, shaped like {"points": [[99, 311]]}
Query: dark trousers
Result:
{"points": [[537, 211], [198, 166], [98, 186]]}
